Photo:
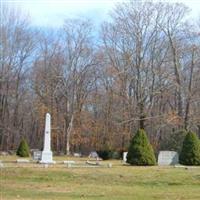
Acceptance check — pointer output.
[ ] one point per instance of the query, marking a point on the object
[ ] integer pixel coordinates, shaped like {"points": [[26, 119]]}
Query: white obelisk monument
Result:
{"points": [[47, 153]]}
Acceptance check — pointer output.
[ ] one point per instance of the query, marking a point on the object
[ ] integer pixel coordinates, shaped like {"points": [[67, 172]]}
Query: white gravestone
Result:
{"points": [[125, 156], [47, 156], [93, 154], [37, 155], [168, 158]]}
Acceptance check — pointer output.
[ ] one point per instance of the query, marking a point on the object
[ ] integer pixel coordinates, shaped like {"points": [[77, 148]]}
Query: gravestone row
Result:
{"points": [[164, 158], [46, 157]]}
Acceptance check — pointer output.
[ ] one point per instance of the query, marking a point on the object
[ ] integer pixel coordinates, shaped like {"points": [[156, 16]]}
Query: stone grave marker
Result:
{"points": [[168, 158], [125, 156], [37, 155], [93, 154], [77, 154]]}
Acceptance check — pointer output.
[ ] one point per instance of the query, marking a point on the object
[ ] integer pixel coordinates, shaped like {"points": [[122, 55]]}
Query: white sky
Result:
{"points": [[52, 13]]}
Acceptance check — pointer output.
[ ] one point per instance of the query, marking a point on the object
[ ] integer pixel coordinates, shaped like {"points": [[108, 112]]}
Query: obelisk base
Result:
{"points": [[47, 157]]}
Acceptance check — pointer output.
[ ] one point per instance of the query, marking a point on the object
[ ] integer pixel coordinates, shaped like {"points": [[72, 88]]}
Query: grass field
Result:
{"points": [[33, 181]]}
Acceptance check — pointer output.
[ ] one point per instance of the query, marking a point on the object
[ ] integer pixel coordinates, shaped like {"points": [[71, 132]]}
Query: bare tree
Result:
{"points": [[17, 46]]}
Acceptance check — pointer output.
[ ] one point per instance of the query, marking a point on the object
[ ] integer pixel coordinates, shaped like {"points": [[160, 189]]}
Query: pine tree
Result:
{"points": [[190, 154], [23, 149], [140, 151]]}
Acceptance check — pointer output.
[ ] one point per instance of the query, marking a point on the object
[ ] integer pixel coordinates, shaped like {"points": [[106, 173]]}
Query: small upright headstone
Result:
{"points": [[168, 158], [125, 156], [77, 154], [93, 154], [37, 155]]}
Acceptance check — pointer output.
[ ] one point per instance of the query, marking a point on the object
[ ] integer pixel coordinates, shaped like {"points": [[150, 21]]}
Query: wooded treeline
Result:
{"points": [[142, 69]]}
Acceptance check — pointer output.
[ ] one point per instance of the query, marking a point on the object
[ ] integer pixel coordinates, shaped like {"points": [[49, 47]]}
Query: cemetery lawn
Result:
{"points": [[30, 181]]}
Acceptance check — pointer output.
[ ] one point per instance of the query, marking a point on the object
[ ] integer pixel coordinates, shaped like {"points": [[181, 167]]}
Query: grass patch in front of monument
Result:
{"points": [[116, 183]]}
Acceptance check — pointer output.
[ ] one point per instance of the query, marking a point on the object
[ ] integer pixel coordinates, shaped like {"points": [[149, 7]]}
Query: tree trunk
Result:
{"points": [[187, 109], [69, 130]]}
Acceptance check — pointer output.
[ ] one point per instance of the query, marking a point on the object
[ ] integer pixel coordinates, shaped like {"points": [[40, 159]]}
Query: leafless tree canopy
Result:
{"points": [[142, 70]]}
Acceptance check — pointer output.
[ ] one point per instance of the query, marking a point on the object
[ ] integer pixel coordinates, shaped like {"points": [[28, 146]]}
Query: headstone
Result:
{"points": [[94, 154], [47, 156], [22, 161], [77, 154], [125, 156], [37, 155], [168, 158]]}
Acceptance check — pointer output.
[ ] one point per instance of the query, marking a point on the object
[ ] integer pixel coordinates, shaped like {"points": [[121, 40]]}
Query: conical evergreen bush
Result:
{"points": [[23, 149], [140, 151], [190, 154]]}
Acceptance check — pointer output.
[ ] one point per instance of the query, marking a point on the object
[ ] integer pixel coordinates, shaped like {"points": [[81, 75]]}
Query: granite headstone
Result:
{"points": [[125, 156], [168, 158]]}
